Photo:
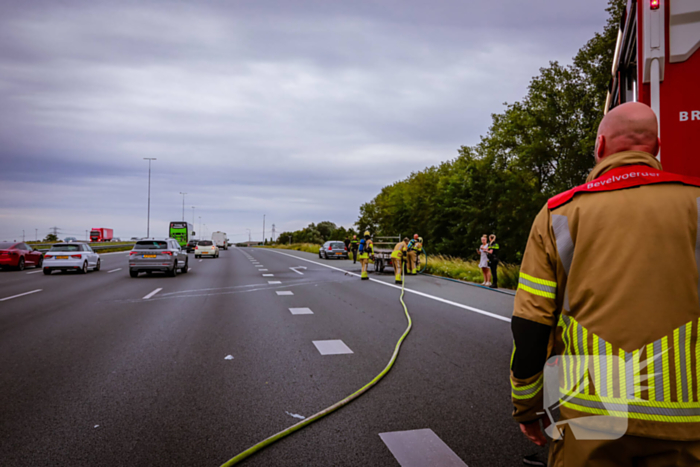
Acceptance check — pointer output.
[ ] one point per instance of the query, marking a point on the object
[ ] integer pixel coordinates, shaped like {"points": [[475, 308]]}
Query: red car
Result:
{"points": [[19, 255]]}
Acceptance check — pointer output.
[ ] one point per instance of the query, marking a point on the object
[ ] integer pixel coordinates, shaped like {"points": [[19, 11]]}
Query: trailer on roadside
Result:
{"points": [[384, 246]]}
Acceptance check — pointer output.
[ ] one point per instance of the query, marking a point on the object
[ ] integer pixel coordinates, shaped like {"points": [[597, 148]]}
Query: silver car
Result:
{"points": [[333, 249], [157, 254], [71, 257]]}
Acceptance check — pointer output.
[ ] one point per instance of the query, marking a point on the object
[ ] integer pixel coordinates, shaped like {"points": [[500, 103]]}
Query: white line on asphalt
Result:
{"points": [[152, 294], [268, 275], [301, 311], [285, 292], [114, 270], [416, 448], [273, 282], [34, 272], [263, 270], [189, 269], [298, 267], [20, 295], [332, 347], [295, 415], [432, 297], [200, 260]]}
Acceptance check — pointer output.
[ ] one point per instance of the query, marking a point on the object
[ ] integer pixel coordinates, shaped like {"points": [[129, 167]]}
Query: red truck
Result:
{"points": [[101, 235], [657, 62]]}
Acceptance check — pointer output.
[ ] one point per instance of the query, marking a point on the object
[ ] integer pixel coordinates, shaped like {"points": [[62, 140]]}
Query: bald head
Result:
{"points": [[627, 127]]}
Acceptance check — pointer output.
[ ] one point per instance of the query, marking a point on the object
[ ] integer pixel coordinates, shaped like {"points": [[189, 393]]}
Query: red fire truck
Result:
{"points": [[657, 62]]}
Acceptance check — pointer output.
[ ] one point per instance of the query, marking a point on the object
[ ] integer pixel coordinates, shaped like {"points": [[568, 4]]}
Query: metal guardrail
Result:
{"points": [[43, 247]]}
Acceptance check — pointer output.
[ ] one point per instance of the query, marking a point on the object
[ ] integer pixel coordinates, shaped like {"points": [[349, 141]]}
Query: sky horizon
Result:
{"points": [[300, 111]]}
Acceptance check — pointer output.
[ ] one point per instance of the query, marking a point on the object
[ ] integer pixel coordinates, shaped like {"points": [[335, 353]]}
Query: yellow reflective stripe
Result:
{"points": [[632, 402], [686, 371], [586, 372], [651, 381], [697, 361], [637, 385], [512, 356], [610, 358], [623, 374], [677, 361], [574, 363], [541, 293], [636, 416], [664, 368], [529, 391], [596, 365], [537, 280]]}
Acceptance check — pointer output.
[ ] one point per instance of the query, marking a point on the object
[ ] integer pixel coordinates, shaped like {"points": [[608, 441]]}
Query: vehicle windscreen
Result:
{"points": [[205, 243], [338, 245], [6, 246], [151, 245], [66, 248]]}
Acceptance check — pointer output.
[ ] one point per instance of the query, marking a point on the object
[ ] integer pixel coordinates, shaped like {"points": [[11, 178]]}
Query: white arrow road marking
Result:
{"points": [[152, 294], [114, 270], [20, 295], [298, 267]]}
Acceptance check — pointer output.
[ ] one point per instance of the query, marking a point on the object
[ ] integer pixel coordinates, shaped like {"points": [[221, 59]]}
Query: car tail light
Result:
{"points": [[131, 253], [76, 256], [48, 256], [346, 248], [169, 253], [330, 248]]}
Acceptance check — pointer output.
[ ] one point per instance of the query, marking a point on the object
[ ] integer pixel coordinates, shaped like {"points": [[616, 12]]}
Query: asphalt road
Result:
{"points": [[94, 374]]}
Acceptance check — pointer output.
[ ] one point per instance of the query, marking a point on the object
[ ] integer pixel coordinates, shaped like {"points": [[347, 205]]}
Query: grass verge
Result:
{"points": [[458, 268], [307, 247]]}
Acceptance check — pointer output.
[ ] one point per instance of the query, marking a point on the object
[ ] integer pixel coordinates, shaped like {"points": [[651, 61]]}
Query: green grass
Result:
{"points": [[307, 247], [457, 268]]}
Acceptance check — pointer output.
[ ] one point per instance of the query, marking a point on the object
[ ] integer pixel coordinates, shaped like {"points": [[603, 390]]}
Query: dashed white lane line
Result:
{"points": [[200, 260], [422, 294], [268, 275], [285, 292], [34, 272], [301, 311], [332, 347], [298, 267], [189, 269], [20, 295], [114, 270], [263, 270], [417, 448], [152, 294], [274, 282]]}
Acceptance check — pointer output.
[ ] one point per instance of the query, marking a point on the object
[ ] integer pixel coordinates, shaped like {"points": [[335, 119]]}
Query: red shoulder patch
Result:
{"points": [[628, 176]]}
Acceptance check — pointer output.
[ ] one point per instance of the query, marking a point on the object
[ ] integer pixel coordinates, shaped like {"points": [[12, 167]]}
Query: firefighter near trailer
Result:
{"points": [[415, 248], [365, 253]]}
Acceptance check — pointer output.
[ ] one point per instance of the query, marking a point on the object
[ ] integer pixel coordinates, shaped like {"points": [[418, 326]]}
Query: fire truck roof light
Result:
{"points": [[655, 4]]}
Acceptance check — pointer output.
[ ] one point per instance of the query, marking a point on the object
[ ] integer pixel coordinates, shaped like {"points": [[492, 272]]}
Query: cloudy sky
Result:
{"points": [[299, 110]]}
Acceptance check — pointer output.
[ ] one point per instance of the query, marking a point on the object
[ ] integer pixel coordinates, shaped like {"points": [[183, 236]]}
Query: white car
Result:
{"points": [[71, 257], [206, 248]]}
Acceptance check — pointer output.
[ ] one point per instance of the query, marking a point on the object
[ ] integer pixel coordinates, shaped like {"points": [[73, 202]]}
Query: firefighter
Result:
{"points": [[398, 258], [610, 276], [354, 245], [366, 251], [415, 247]]}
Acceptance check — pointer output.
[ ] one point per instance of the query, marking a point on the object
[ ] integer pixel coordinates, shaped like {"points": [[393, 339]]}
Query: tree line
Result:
{"points": [[533, 150]]}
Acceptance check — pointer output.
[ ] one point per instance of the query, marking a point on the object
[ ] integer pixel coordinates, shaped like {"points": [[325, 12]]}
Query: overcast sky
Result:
{"points": [[300, 110]]}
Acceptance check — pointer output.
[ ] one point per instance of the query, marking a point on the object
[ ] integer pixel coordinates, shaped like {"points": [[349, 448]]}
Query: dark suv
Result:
{"points": [[190, 246]]}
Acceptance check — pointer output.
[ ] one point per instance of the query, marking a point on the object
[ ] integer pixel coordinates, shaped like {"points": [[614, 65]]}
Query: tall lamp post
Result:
{"points": [[193, 216], [148, 222], [183, 206], [200, 227]]}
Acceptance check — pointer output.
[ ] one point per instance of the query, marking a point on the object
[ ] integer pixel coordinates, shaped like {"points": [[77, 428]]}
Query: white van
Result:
{"points": [[220, 239]]}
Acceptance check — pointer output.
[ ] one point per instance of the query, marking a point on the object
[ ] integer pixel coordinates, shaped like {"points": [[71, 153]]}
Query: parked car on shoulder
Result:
{"points": [[116, 239], [70, 239], [19, 255], [71, 257], [206, 248], [333, 249], [157, 254], [190, 245]]}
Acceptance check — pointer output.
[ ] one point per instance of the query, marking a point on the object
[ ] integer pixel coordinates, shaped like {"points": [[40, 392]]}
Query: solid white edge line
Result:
{"points": [[20, 295], [114, 270], [152, 293], [422, 294]]}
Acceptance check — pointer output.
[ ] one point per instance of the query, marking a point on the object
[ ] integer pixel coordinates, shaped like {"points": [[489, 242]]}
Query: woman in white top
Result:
{"points": [[484, 261]]}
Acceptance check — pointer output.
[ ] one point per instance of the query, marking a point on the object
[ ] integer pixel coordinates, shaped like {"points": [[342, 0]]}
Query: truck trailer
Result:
{"points": [[101, 234], [219, 238], [657, 62]]}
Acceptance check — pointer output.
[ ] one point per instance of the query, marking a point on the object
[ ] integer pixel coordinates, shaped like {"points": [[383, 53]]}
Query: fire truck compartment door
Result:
{"points": [[684, 33]]}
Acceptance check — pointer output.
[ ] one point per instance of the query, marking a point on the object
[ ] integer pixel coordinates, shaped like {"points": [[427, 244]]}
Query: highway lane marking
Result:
{"points": [[34, 272], [422, 294], [273, 282], [114, 270], [301, 311], [189, 269], [152, 293], [263, 270], [285, 292], [268, 275], [332, 347], [298, 267], [20, 295], [416, 448], [200, 260]]}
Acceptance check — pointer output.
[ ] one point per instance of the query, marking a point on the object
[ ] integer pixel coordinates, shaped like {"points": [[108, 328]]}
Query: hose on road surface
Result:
{"points": [[263, 444]]}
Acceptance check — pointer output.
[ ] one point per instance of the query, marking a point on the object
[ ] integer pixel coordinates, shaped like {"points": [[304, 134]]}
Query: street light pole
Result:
{"points": [[183, 206], [193, 216], [148, 222], [249, 240], [200, 227], [263, 229]]}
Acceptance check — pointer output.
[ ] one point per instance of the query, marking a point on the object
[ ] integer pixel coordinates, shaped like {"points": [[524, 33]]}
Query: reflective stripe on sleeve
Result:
{"points": [[529, 391], [536, 286]]}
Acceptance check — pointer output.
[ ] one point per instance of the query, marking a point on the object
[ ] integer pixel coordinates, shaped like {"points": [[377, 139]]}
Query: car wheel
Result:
{"points": [[184, 270], [20, 264], [40, 263], [133, 273], [98, 265], [173, 271], [196, 256], [319, 255], [47, 271], [84, 270]]}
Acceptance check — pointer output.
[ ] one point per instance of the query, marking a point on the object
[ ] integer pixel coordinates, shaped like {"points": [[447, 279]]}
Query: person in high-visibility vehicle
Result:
{"points": [[415, 248], [398, 257], [608, 297], [365, 252]]}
